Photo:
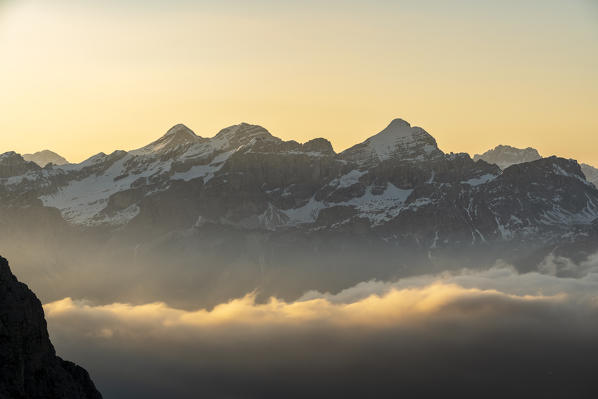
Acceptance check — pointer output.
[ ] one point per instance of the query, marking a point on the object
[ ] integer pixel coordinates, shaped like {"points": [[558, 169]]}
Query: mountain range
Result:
{"points": [[293, 209]]}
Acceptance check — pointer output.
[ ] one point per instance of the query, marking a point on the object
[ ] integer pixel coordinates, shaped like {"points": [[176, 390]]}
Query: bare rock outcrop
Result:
{"points": [[29, 367]]}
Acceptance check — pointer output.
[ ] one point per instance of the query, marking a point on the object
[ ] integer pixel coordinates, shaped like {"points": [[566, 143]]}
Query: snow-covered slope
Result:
{"points": [[399, 140], [176, 137], [83, 192], [178, 155]]}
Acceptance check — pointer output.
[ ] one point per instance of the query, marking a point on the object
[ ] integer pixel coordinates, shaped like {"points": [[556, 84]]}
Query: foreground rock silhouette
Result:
{"points": [[29, 367]]}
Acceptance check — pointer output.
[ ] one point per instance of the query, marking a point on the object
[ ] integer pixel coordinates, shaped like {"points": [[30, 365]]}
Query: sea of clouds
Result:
{"points": [[489, 333]]}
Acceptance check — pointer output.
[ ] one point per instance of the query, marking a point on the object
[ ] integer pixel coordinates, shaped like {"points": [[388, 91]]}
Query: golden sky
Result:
{"points": [[80, 77]]}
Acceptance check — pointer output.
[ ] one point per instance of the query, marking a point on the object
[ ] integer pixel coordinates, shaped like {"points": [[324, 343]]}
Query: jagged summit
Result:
{"points": [[243, 129], [7, 155], [548, 166], [241, 134], [398, 125], [503, 147], [506, 155], [181, 138], [399, 140], [176, 136], [320, 145], [13, 164]]}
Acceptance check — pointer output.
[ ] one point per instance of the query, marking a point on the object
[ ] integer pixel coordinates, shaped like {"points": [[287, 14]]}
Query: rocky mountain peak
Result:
{"points": [[399, 140], [546, 168], [398, 125], [320, 145], [550, 191], [13, 164], [241, 134], [10, 156], [181, 131], [177, 136]]}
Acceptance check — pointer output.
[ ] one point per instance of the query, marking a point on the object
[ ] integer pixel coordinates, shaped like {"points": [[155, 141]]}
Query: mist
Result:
{"points": [[199, 268]]}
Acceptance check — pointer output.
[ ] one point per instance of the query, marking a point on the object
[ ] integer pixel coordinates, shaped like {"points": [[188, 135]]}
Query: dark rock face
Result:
{"points": [[320, 145], [29, 367], [13, 164], [505, 156]]}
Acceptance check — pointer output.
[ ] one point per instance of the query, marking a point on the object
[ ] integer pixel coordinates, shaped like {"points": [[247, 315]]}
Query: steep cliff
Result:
{"points": [[29, 367]]}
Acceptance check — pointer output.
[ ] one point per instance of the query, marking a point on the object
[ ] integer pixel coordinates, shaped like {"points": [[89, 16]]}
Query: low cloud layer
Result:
{"points": [[486, 334]]}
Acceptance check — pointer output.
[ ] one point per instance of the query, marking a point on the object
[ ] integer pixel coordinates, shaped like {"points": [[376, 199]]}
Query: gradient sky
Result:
{"points": [[80, 77]]}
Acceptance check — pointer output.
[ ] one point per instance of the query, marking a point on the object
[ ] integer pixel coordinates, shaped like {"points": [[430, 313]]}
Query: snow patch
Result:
{"points": [[476, 181], [82, 200], [349, 179], [205, 171]]}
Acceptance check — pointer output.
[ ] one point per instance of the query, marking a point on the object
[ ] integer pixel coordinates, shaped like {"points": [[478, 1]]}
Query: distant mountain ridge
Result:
{"points": [[505, 155], [45, 157]]}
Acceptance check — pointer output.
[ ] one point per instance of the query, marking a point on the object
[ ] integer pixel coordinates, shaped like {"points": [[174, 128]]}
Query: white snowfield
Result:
{"points": [[82, 200]]}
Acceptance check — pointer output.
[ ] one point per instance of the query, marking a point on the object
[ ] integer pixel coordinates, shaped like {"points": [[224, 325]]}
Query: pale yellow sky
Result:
{"points": [[80, 77]]}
